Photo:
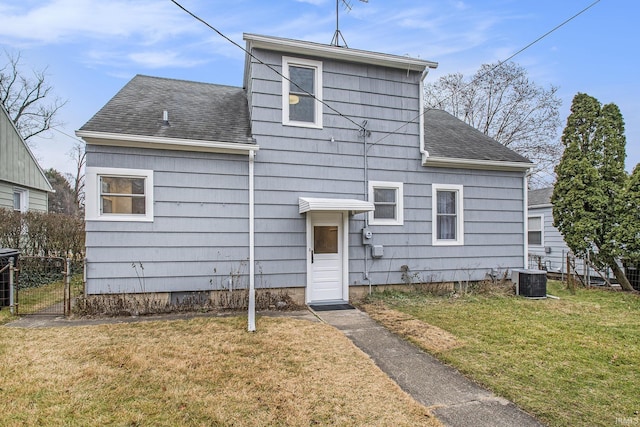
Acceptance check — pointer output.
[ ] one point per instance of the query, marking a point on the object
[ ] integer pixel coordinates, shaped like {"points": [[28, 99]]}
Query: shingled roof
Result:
{"points": [[540, 197], [196, 111], [446, 136]]}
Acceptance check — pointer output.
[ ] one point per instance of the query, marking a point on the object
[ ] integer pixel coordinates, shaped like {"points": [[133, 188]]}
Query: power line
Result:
{"points": [[499, 64], [358, 126]]}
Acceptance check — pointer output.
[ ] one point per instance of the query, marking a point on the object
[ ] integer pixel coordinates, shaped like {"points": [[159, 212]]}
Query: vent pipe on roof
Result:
{"points": [[165, 118]]}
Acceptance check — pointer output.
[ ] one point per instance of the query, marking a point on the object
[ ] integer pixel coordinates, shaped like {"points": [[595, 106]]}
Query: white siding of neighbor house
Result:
{"points": [[198, 237], [298, 162], [553, 250]]}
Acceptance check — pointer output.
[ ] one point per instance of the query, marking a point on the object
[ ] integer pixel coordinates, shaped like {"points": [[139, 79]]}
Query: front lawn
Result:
{"points": [[204, 371], [569, 361]]}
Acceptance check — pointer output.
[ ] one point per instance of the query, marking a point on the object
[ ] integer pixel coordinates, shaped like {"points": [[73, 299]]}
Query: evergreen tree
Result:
{"points": [[63, 200], [627, 234], [590, 179]]}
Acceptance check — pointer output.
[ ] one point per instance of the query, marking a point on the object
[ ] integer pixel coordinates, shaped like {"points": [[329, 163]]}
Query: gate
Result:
{"points": [[44, 286]]}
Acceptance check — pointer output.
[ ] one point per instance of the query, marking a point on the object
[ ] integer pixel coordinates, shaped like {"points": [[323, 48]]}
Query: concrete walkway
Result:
{"points": [[454, 399]]}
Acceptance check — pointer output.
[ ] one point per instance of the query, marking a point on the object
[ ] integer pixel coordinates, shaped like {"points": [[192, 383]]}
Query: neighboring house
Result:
{"points": [[545, 241], [323, 187], [23, 185]]}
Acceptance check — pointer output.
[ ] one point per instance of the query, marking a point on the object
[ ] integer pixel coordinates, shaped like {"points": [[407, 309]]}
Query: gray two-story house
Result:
{"points": [[323, 175]]}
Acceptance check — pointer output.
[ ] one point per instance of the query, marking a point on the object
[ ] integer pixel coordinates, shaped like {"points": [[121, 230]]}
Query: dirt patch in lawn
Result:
{"points": [[425, 335]]}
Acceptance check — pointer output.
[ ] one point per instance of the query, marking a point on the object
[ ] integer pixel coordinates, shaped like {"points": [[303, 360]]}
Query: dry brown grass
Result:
{"points": [[423, 334], [203, 371]]}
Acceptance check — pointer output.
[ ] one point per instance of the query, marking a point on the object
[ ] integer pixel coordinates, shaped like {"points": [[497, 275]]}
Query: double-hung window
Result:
{"points": [[20, 200], [387, 198], [302, 92], [447, 215], [115, 194], [535, 224]]}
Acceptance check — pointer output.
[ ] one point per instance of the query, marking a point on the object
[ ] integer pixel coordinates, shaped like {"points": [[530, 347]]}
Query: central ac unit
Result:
{"points": [[530, 283]]}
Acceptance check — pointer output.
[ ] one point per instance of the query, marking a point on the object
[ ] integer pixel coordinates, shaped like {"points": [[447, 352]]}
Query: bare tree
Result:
{"points": [[77, 179], [503, 103], [28, 98]]}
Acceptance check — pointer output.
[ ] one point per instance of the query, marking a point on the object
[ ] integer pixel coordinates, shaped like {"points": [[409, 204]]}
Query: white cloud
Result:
{"points": [[313, 2], [59, 21], [161, 59]]}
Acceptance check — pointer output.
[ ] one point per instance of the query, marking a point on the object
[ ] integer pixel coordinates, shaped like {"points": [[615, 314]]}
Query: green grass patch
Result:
{"points": [[33, 299], [572, 361], [5, 315]]}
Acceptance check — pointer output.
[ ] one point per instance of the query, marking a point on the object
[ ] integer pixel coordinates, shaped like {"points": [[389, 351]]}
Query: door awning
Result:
{"points": [[312, 204]]}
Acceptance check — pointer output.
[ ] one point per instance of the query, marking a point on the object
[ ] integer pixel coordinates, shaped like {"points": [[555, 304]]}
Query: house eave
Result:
{"points": [[334, 52], [541, 206], [446, 162], [176, 144]]}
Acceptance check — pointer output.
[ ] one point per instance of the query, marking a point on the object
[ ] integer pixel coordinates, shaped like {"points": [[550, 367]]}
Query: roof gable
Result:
{"points": [[18, 165], [195, 111], [448, 139]]}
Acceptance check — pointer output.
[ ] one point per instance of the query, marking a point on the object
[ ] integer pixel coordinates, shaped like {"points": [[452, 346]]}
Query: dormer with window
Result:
{"points": [[301, 92]]}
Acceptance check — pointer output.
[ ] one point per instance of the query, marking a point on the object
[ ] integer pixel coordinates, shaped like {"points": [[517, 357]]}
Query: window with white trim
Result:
{"points": [[115, 194], [447, 215], [301, 92], [20, 200], [534, 227], [387, 198]]}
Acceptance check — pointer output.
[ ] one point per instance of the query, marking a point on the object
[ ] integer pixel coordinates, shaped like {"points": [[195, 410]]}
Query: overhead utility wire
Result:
{"points": [[358, 126], [499, 64]]}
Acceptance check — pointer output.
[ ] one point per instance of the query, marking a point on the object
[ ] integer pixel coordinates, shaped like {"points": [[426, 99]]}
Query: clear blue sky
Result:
{"points": [[92, 48]]}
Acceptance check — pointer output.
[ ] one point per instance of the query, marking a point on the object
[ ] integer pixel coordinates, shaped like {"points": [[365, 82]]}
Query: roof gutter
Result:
{"points": [[140, 141], [447, 162]]}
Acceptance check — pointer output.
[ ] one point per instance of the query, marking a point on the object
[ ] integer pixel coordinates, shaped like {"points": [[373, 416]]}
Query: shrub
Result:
{"points": [[42, 234]]}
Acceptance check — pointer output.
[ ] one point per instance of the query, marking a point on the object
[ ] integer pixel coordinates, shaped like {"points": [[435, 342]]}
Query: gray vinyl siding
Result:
{"points": [[6, 195], [298, 162], [199, 235], [38, 200]]}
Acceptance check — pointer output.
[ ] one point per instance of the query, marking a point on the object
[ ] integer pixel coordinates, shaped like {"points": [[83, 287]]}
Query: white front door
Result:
{"points": [[325, 258]]}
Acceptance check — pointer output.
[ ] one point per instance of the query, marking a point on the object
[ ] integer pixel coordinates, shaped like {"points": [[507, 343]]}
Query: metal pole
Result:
{"points": [[67, 289], [12, 305]]}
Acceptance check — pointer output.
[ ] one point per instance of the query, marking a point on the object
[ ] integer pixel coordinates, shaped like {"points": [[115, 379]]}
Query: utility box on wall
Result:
{"points": [[530, 283], [377, 251]]}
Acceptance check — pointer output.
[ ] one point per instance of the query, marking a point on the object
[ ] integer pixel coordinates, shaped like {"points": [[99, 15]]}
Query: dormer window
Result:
{"points": [[302, 92]]}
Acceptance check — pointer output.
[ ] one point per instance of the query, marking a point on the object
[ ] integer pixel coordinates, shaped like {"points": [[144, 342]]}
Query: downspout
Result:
{"points": [[423, 151], [252, 282], [525, 210], [363, 130]]}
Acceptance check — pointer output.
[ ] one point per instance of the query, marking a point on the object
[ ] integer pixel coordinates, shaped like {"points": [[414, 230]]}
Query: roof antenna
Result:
{"points": [[337, 36]]}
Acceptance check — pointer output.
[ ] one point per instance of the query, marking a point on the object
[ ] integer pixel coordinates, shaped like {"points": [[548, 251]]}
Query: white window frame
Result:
{"points": [[459, 190], [399, 214], [529, 230], [24, 199], [305, 63], [92, 194]]}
